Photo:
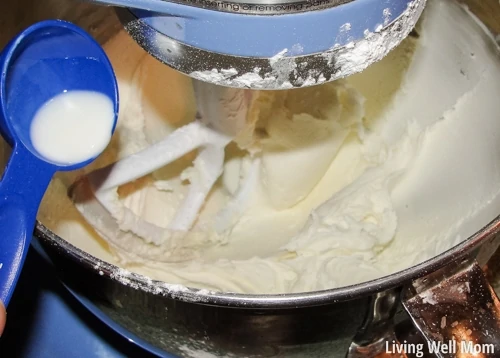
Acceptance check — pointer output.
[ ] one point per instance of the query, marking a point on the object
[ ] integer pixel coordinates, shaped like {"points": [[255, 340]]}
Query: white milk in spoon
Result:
{"points": [[73, 127]]}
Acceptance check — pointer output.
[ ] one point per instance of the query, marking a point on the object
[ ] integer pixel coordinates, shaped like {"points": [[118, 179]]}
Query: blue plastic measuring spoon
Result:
{"points": [[45, 60]]}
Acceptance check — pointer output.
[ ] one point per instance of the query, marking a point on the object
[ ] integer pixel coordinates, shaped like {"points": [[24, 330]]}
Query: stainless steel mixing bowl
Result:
{"points": [[352, 320]]}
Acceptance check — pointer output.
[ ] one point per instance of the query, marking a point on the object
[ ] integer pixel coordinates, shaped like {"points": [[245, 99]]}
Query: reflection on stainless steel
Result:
{"points": [[315, 324], [281, 73], [222, 325], [378, 327], [456, 308]]}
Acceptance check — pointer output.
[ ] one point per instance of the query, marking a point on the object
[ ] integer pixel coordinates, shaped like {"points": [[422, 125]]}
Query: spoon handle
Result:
{"points": [[23, 185]]}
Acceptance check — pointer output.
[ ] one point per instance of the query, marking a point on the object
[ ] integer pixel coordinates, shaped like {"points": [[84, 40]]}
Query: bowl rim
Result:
{"points": [[266, 301]]}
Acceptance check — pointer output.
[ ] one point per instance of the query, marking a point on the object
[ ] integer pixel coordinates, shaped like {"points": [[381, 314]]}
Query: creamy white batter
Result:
{"points": [[73, 127], [325, 186]]}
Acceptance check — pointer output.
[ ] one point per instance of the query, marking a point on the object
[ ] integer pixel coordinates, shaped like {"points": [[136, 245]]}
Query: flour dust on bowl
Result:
{"points": [[285, 254], [270, 45]]}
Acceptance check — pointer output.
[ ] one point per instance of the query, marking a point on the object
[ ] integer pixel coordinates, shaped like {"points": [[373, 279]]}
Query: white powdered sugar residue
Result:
{"points": [[428, 297], [297, 49], [124, 277], [191, 352], [278, 57], [341, 61], [346, 27], [355, 57], [387, 16], [175, 291]]}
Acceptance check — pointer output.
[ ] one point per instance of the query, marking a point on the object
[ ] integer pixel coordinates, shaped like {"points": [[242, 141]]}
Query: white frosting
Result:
{"points": [[341, 183]]}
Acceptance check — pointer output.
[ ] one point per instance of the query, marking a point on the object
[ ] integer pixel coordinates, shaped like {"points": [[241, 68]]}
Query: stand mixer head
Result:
{"points": [[268, 44]]}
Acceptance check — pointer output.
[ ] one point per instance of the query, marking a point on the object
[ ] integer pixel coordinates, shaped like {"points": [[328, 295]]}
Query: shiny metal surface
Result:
{"points": [[378, 327], [356, 320], [456, 307], [315, 324], [242, 57], [261, 73], [489, 235], [250, 46]]}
